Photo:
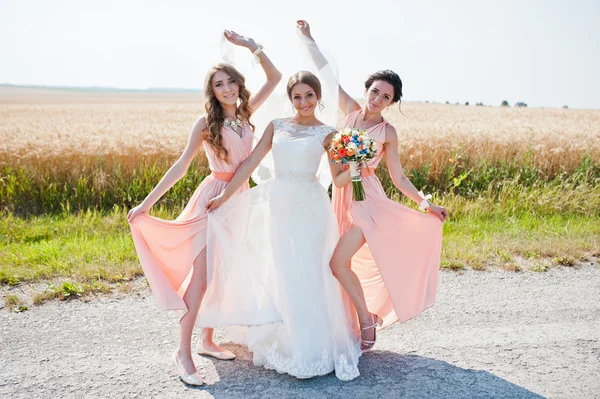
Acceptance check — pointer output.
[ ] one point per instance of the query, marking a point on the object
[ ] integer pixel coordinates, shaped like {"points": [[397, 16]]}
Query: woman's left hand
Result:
{"points": [[438, 211], [240, 40]]}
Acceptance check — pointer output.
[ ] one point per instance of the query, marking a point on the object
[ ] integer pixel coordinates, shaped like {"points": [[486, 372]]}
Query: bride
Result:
{"points": [[271, 247]]}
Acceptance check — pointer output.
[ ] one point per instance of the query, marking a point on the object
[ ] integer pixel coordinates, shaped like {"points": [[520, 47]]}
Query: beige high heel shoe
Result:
{"points": [[367, 345], [193, 379]]}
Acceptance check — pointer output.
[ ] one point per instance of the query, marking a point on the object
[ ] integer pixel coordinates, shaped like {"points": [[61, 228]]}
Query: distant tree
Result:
{"points": [[447, 102], [467, 103], [565, 106], [520, 104], [505, 104], [479, 105]]}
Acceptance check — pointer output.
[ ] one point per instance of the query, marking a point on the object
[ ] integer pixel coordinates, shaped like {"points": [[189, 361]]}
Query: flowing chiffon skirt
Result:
{"points": [[398, 265], [269, 251], [167, 249]]}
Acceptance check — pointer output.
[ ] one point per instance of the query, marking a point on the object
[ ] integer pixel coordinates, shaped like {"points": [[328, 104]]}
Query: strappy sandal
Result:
{"points": [[367, 345]]}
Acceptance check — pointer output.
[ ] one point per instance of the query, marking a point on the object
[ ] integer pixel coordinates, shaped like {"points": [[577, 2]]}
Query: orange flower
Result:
{"points": [[350, 152]]}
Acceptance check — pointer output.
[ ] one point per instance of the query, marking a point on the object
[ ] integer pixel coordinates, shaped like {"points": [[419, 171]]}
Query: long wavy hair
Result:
{"points": [[215, 116]]}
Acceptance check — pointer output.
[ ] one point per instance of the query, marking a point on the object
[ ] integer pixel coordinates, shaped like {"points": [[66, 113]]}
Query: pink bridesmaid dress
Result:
{"points": [[399, 263], [167, 248]]}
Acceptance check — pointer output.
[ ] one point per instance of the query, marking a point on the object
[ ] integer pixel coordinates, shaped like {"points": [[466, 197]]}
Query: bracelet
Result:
{"points": [[424, 205], [259, 50]]}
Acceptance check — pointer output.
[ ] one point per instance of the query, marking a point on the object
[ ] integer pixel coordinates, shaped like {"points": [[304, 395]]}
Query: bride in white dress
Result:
{"points": [[271, 246]]}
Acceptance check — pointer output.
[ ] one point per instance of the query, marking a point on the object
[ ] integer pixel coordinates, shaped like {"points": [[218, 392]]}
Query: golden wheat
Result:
{"points": [[44, 123]]}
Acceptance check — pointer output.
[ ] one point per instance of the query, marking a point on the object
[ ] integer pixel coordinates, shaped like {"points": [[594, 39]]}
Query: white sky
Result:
{"points": [[545, 53]]}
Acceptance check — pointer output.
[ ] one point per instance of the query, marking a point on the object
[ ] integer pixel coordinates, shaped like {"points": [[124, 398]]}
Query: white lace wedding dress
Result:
{"points": [[268, 257]]}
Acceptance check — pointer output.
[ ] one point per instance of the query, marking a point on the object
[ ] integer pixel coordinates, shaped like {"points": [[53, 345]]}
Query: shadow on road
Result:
{"points": [[383, 374]]}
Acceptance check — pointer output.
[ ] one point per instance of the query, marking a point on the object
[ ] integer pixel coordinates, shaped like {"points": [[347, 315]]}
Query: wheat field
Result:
{"points": [[98, 140], [40, 123]]}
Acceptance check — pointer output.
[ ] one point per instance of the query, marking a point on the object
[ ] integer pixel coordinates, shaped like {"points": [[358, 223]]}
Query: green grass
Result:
{"points": [[84, 247], [56, 184], [484, 240], [89, 248], [70, 231]]}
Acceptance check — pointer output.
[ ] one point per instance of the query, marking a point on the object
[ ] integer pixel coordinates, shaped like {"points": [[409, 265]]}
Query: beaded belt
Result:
{"points": [[224, 176], [294, 175]]}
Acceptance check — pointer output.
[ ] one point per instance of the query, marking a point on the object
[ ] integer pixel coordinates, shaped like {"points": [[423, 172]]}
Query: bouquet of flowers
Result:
{"points": [[353, 146]]}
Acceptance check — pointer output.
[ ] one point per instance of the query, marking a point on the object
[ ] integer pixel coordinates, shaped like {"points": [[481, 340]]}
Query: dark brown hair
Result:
{"points": [[390, 77], [214, 111]]}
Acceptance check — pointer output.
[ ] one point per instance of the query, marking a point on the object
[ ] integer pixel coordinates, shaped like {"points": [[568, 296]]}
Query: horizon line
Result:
{"points": [[158, 89]]}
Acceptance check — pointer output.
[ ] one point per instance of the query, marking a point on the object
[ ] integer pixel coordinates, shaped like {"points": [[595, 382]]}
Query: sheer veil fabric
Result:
{"points": [[278, 104]]}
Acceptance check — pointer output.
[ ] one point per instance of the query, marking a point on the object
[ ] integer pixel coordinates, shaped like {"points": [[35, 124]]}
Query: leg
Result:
{"points": [[207, 345], [347, 246], [340, 263], [192, 299], [209, 348]]}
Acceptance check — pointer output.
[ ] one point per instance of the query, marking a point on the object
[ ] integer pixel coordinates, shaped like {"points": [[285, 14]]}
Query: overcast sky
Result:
{"points": [[545, 53]]}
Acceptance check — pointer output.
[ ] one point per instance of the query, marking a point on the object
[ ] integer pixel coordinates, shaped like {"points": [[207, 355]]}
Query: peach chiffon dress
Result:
{"points": [[167, 248], [399, 263]]}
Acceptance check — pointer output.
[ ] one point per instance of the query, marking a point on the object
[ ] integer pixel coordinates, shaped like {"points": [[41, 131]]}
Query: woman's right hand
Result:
{"points": [[438, 211], [304, 28], [216, 202], [136, 211]]}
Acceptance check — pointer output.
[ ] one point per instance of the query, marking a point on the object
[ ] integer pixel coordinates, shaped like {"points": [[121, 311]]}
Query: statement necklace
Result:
{"points": [[235, 125]]}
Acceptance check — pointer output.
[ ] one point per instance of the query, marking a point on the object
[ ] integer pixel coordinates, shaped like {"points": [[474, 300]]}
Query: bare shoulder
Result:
{"points": [[391, 136], [200, 125], [328, 137]]}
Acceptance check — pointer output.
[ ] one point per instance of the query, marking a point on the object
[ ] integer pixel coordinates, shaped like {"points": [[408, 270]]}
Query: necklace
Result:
{"points": [[364, 122], [235, 125]]}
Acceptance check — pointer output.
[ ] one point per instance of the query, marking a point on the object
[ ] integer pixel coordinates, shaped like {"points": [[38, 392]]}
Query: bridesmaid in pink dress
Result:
{"points": [[388, 256], [173, 252]]}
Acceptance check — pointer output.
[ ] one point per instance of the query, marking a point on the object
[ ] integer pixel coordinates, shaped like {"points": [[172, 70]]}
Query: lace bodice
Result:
{"points": [[298, 149]]}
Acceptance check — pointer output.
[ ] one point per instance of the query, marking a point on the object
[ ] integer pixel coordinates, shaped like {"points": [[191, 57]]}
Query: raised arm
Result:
{"points": [[245, 169], [399, 178], [175, 172], [272, 73], [346, 102]]}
